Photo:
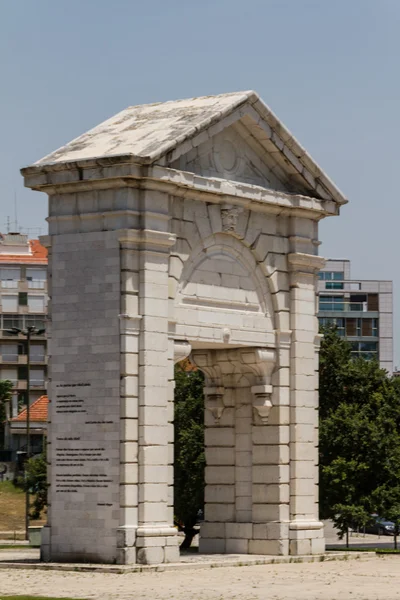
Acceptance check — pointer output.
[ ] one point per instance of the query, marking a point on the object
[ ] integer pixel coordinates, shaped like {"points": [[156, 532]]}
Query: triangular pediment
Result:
{"points": [[233, 154], [235, 136]]}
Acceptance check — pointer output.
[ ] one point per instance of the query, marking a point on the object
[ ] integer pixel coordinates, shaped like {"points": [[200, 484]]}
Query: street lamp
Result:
{"points": [[28, 332]]}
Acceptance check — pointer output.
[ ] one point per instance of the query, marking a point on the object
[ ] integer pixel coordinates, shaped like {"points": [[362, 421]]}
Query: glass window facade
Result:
{"points": [[337, 322], [331, 275], [22, 321], [367, 350], [331, 303]]}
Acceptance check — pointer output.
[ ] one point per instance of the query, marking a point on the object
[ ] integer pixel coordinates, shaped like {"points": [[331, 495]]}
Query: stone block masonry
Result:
{"points": [[183, 228]]}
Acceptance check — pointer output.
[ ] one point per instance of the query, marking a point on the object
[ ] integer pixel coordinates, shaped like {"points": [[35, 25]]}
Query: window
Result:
{"points": [[366, 327], [37, 353], [22, 372], [357, 302], [367, 350], [335, 321], [9, 374], [9, 303], [354, 327], [373, 302], [9, 352], [37, 377], [331, 275], [35, 321], [36, 278], [10, 321], [36, 303], [334, 285], [375, 327], [368, 346], [23, 299], [331, 303], [9, 277]]}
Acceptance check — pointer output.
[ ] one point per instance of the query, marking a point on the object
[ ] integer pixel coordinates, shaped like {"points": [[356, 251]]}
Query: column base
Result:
{"points": [[156, 545], [244, 538], [306, 537], [45, 549]]}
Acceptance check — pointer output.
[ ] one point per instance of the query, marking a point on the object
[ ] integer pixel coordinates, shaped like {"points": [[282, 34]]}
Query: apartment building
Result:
{"points": [[23, 303], [361, 310]]}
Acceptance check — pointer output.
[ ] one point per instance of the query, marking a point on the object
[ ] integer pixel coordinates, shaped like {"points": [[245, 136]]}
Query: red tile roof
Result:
{"points": [[38, 256], [37, 413]]}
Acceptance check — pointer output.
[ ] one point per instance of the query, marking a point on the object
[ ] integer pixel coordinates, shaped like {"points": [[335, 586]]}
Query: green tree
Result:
{"points": [[5, 396], [35, 481], [188, 450], [359, 437]]}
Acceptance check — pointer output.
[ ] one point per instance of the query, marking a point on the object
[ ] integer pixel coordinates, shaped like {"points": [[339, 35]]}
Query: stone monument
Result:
{"points": [[176, 229]]}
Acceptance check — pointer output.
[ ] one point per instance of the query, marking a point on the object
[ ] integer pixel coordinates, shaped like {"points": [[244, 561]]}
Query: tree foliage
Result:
{"points": [[188, 450], [35, 481], [359, 437]]}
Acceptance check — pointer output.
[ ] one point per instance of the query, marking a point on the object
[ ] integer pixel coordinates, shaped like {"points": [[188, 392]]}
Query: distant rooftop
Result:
{"points": [[37, 412], [16, 248]]}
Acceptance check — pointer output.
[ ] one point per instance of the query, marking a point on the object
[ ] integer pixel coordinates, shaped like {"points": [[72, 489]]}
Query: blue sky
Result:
{"points": [[328, 69]]}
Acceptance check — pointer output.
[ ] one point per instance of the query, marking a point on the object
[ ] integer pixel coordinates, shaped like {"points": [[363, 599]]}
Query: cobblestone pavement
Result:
{"points": [[371, 579]]}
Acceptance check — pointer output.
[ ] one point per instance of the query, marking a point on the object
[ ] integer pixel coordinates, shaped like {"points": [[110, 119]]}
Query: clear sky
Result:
{"points": [[329, 69]]}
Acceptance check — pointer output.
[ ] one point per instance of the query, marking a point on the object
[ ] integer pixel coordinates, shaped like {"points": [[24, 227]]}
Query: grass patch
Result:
{"points": [[12, 508], [8, 488]]}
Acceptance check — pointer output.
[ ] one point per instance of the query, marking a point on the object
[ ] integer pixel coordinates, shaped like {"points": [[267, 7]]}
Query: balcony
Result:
{"points": [[23, 285], [343, 306], [22, 359], [37, 383]]}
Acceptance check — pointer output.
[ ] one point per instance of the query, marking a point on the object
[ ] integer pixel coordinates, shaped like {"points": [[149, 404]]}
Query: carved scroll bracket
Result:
{"points": [[262, 401], [214, 401]]}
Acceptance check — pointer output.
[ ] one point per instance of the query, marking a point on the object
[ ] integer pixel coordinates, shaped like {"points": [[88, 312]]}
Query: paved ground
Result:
{"points": [[368, 579]]}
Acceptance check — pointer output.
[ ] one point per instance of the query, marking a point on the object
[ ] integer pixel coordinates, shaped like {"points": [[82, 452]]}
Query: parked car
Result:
{"points": [[380, 526]]}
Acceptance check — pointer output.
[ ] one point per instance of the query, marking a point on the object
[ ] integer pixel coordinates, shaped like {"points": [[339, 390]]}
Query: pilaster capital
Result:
{"points": [[305, 263]]}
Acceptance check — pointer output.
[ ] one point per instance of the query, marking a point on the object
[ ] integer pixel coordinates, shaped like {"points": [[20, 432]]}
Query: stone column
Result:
{"points": [[306, 531]]}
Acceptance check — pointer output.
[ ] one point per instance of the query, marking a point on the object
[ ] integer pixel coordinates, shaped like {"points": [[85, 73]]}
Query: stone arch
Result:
{"points": [[220, 283]]}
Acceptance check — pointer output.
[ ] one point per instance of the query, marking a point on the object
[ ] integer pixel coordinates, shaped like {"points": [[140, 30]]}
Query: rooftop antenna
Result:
{"points": [[8, 225], [15, 212]]}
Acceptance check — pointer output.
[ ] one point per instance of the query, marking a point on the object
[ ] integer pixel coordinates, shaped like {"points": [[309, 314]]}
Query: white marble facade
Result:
{"points": [[189, 227]]}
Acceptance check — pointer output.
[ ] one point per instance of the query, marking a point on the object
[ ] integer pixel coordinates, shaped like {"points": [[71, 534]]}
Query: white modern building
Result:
{"points": [[361, 310]]}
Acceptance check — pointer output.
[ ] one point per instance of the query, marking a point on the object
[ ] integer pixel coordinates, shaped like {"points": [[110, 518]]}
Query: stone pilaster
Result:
{"points": [[130, 323], [156, 538], [305, 529]]}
